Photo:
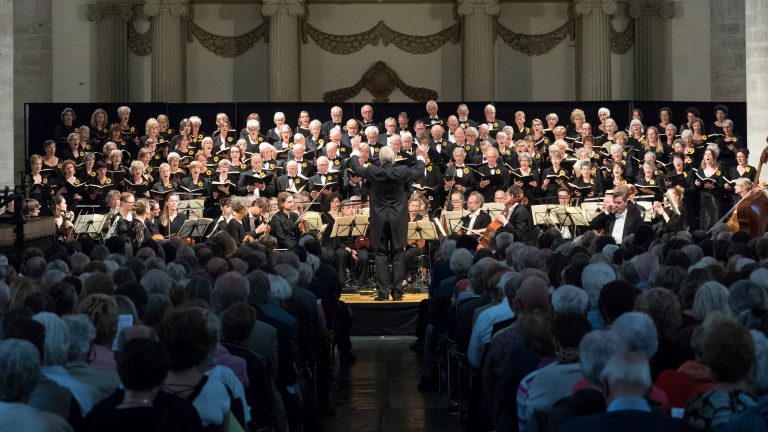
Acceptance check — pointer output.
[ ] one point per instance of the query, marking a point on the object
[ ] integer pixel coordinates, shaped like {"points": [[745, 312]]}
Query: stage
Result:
{"points": [[383, 318]]}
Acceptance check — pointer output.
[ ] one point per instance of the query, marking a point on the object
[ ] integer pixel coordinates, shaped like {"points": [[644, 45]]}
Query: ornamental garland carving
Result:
{"points": [[139, 43], [536, 44], [230, 46], [380, 80], [622, 41], [413, 44]]}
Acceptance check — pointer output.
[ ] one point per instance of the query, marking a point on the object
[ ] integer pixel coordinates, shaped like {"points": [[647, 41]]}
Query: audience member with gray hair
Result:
{"points": [[156, 281], [81, 335], [19, 375], [638, 332], [57, 340], [570, 299], [593, 279], [229, 288]]}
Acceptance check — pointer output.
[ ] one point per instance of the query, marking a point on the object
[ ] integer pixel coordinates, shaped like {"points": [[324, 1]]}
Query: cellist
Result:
{"points": [[517, 219]]}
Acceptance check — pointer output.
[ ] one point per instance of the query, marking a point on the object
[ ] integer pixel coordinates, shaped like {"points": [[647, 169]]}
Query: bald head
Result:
{"points": [[532, 295]]}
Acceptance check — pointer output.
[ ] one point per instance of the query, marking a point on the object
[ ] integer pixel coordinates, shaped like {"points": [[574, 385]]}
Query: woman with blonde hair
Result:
{"points": [[170, 219]]}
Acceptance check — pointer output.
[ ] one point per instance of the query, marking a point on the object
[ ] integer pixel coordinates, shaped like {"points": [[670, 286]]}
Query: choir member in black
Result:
{"points": [[458, 175], [728, 144], [235, 227], [323, 177], [67, 126], [136, 181], [171, 220], [73, 150], [285, 140], [237, 158], [670, 215], [650, 183], [153, 218], [348, 255], [284, 224], [440, 150], [636, 135], [526, 177], [152, 131], [587, 184], [69, 186], [50, 160], [540, 140], [116, 136], [99, 186], [670, 134], [99, 125], [653, 144], [264, 186], [115, 168], [290, 181], [665, 119], [39, 188], [177, 173], [554, 177], [166, 133], [494, 124], [303, 164], [699, 135], [88, 170], [474, 223], [709, 182], [164, 183], [316, 140], [462, 113], [332, 211], [196, 132], [334, 157], [252, 136], [336, 121], [496, 176], [520, 130], [302, 125], [225, 138], [127, 129], [742, 169], [721, 115], [150, 173], [573, 130], [221, 185]]}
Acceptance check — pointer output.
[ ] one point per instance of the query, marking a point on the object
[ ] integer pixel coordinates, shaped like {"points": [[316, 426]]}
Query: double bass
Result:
{"points": [[750, 214]]}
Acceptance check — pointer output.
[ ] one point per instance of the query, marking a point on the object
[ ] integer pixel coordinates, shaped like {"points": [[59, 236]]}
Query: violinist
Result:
{"points": [[283, 225], [171, 220], [516, 219], [348, 256], [235, 227], [256, 221], [670, 216], [415, 248], [62, 218], [477, 220]]}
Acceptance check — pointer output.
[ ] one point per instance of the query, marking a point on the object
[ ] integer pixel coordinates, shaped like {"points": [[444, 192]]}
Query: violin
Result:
{"points": [[362, 242]]}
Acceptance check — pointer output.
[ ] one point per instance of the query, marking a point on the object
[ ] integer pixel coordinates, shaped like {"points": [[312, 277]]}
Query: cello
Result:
{"points": [[750, 214]]}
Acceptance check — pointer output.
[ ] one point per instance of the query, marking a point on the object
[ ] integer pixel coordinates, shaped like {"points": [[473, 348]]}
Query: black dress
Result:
{"points": [[174, 227]]}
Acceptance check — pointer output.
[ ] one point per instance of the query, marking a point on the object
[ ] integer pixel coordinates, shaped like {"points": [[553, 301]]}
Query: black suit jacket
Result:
{"points": [[627, 421], [482, 221], [520, 223], [236, 230], [634, 219], [389, 200], [284, 229]]}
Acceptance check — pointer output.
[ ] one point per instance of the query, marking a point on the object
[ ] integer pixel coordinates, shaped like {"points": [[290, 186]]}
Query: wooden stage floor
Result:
{"points": [[383, 318], [367, 297]]}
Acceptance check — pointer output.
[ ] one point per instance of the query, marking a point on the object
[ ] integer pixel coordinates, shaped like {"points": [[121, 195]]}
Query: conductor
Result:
{"points": [[389, 214]]}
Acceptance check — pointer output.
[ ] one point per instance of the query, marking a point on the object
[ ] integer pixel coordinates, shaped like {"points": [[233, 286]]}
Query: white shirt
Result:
{"points": [[472, 219], [618, 227]]}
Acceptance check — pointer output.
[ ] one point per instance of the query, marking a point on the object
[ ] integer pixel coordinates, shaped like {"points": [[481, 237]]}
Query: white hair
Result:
{"points": [[570, 299], [56, 338], [594, 277], [172, 155], [627, 368], [252, 124], [195, 120], [639, 333], [386, 155], [279, 288], [595, 349], [19, 369], [81, 334], [604, 110]]}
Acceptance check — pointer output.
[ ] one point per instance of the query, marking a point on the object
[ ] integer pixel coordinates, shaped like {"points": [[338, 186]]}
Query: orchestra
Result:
{"points": [[256, 186]]}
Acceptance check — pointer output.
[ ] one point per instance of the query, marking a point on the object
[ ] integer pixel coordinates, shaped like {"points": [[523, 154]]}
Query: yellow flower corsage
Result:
{"points": [[215, 158], [467, 147], [561, 172], [199, 184], [507, 152], [429, 168], [191, 152], [746, 169], [321, 141], [157, 157], [109, 181], [330, 178], [199, 136], [336, 162], [652, 182], [161, 140], [208, 172], [45, 181], [466, 170], [229, 139], [304, 165], [596, 156], [133, 129], [93, 173], [538, 155], [169, 131], [261, 139], [495, 125], [375, 149], [77, 182], [685, 174], [734, 139], [717, 172], [297, 181], [688, 160], [594, 170]]}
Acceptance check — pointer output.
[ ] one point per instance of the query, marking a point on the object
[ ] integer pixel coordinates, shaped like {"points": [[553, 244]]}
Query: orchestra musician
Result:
{"points": [[670, 215], [284, 224], [171, 220], [226, 215], [257, 218], [517, 219], [121, 224], [348, 256], [709, 182], [140, 230], [153, 218], [626, 215], [62, 218], [477, 220], [235, 227]]}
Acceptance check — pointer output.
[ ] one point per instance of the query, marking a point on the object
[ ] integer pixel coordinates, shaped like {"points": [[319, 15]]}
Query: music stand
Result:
{"points": [[493, 209], [314, 220], [572, 216], [193, 208], [90, 224], [194, 228], [453, 219], [350, 226], [542, 215], [591, 209], [422, 230]]}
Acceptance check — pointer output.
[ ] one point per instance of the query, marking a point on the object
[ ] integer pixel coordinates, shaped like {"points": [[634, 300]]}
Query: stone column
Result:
{"points": [[726, 52], [111, 49], [650, 73], [757, 77], [6, 92], [593, 48], [478, 72], [284, 48], [169, 76]]}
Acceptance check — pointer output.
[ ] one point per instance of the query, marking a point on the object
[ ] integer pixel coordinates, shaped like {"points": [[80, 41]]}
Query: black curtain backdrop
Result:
{"points": [[42, 118]]}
